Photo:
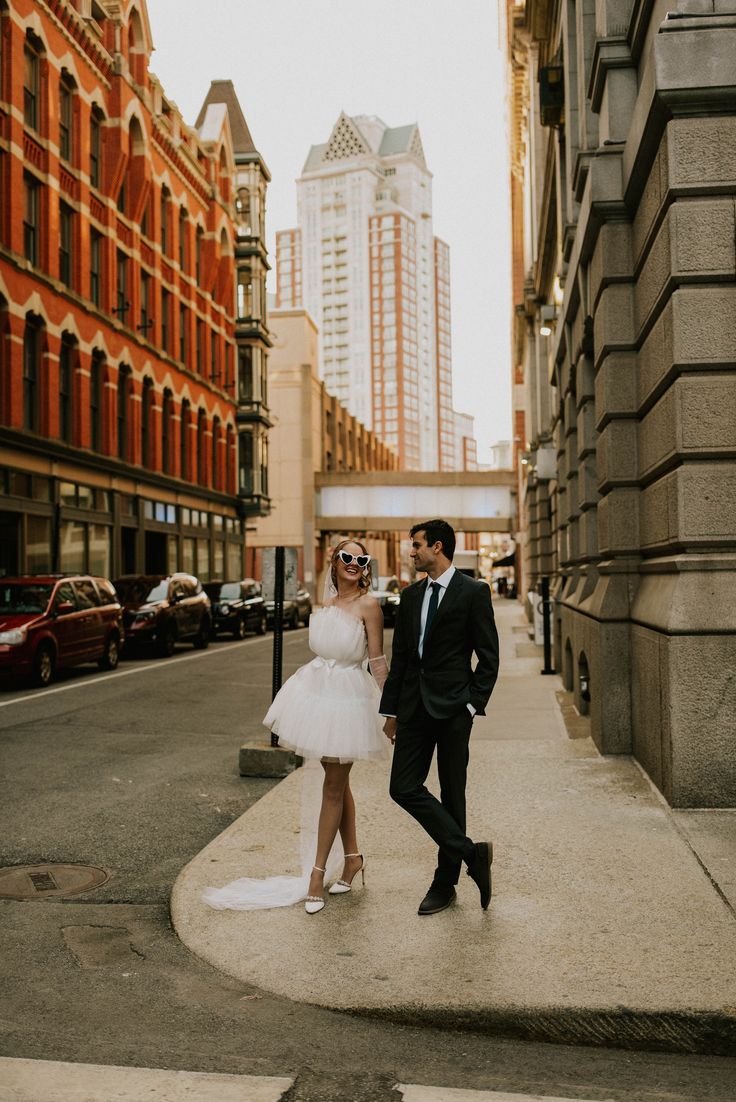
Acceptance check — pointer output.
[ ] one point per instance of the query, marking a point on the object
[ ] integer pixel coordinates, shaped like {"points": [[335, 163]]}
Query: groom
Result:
{"points": [[430, 698]]}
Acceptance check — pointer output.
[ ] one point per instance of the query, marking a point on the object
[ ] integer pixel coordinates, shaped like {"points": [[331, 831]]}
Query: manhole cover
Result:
{"points": [[32, 882]]}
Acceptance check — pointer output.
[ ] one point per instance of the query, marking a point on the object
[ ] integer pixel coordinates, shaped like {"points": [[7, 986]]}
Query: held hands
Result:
{"points": [[389, 729]]}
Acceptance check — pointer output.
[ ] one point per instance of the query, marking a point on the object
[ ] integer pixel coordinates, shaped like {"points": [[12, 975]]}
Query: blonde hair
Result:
{"points": [[364, 582]]}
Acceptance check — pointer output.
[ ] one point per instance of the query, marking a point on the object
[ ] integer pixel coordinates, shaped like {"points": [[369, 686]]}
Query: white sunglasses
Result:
{"points": [[348, 559]]}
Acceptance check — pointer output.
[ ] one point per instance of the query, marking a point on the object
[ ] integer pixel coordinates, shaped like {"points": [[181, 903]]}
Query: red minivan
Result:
{"points": [[48, 621]]}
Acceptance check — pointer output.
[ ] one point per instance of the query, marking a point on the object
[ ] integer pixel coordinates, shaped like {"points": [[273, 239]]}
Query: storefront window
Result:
{"points": [[173, 554], [68, 493], [84, 497], [41, 488], [38, 544], [99, 550], [234, 561], [203, 560], [187, 555], [73, 547], [219, 560]]}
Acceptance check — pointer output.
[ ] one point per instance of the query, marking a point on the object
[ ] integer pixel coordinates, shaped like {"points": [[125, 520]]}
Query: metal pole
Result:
{"points": [[547, 627], [278, 629]]}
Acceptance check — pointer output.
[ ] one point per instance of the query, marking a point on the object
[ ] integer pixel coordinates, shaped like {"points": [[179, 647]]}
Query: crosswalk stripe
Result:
{"points": [[54, 1081], [413, 1092]]}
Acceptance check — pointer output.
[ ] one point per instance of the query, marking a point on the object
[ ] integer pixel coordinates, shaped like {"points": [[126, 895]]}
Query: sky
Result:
{"points": [[297, 63]]}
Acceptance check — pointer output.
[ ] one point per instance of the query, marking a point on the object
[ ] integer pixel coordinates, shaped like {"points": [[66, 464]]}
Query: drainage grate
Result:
{"points": [[34, 882]]}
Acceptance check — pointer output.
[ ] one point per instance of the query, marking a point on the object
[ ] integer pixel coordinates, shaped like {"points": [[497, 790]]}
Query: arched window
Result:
{"points": [[198, 253], [167, 409], [201, 448], [95, 399], [32, 81], [215, 480], [183, 231], [123, 407], [67, 149], [165, 195], [95, 147], [67, 356], [230, 460], [146, 417], [185, 421], [32, 347], [224, 176]]}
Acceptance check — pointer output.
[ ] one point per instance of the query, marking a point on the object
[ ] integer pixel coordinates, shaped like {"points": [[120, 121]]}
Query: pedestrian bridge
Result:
{"points": [[391, 501]]}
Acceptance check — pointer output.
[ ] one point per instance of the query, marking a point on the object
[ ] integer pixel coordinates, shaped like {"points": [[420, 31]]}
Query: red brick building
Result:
{"points": [[118, 351]]}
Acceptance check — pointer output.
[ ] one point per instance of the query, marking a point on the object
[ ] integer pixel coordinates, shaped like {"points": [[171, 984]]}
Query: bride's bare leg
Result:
{"points": [[330, 816], [349, 836]]}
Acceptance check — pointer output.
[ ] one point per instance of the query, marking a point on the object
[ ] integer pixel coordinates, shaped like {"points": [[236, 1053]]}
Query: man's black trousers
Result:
{"points": [[443, 819]]}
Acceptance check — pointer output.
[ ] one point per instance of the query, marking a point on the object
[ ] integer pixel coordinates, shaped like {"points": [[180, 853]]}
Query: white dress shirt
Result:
{"points": [[443, 581]]}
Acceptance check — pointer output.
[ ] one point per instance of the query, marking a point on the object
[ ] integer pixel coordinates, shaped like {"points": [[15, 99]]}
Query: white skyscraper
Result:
{"points": [[365, 263]]}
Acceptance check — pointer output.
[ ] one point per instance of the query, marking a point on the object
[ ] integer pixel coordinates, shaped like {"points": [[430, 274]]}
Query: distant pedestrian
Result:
{"points": [[430, 698], [328, 713]]}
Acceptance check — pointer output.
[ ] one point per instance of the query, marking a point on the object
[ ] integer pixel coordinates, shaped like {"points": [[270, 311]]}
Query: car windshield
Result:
{"points": [[137, 591], [19, 597], [228, 591]]}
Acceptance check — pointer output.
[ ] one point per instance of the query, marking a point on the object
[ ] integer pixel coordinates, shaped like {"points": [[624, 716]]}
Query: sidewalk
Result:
{"points": [[607, 925]]}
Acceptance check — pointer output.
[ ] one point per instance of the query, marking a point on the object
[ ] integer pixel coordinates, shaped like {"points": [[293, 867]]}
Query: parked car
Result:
{"points": [[296, 611], [164, 611], [50, 621], [237, 607], [389, 600]]}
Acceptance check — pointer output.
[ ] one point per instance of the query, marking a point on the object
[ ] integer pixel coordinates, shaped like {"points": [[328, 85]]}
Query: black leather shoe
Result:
{"points": [[479, 870], [436, 899]]}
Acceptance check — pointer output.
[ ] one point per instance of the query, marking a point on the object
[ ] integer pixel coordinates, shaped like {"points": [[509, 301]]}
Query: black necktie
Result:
{"points": [[434, 600]]}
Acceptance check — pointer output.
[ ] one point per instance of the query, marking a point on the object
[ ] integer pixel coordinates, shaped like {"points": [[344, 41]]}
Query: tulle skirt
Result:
{"points": [[328, 710]]}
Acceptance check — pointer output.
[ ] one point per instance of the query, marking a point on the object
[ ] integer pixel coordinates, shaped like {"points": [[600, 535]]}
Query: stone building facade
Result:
{"points": [[623, 163], [120, 421]]}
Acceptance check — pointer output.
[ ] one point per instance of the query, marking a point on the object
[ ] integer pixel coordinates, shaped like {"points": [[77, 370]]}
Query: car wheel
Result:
{"points": [[239, 632], [111, 653], [307, 614], [262, 625], [202, 638], [44, 666], [293, 621], [166, 642]]}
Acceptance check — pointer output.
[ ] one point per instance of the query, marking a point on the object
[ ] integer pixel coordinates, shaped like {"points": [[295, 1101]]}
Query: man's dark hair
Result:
{"points": [[437, 530]]}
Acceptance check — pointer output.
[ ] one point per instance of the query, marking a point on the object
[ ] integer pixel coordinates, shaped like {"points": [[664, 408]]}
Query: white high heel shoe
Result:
{"points": [[342, 886], [314, 903]]}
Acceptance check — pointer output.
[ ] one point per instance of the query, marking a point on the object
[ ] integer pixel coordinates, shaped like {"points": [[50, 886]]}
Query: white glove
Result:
{"points": [[379, 669]]}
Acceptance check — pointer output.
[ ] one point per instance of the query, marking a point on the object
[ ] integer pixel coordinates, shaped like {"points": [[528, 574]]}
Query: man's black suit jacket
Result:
{"points": [[443, 678]]}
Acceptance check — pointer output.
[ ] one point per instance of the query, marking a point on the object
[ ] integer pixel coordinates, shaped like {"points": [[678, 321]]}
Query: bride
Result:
{"points": [[328, 712]]}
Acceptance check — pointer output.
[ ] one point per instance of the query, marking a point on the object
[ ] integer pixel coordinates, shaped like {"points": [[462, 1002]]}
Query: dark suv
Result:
{"points": [[297, 610], [237, 607], [164, 610], [48, 621]]}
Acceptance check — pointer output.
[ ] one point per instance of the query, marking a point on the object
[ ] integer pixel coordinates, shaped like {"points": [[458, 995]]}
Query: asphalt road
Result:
{"points": [[135, 772]]}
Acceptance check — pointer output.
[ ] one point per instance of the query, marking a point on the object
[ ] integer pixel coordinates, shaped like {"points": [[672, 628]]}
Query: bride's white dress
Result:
{"points": [[327, 709]]}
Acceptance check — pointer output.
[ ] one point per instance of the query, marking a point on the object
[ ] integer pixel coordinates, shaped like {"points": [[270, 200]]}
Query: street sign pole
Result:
{"points": [[278, 629], [547, 627]]}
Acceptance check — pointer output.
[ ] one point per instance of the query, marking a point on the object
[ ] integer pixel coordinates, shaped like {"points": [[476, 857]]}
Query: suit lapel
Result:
{"points": [[450, 597], [417, 621]]}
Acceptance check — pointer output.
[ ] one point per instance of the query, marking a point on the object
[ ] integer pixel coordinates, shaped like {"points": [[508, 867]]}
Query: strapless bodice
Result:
{"points": [[337, 637]]}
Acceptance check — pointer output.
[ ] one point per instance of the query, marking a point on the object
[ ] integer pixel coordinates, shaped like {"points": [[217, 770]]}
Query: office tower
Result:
{"points": [[365, 263]]}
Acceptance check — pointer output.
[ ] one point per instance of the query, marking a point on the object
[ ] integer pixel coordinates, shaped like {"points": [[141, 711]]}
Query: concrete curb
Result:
{"points": [[698, 1033]]}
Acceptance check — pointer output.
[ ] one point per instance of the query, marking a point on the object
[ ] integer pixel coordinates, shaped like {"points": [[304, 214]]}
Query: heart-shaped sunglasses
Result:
{"points": [[348, 559]]}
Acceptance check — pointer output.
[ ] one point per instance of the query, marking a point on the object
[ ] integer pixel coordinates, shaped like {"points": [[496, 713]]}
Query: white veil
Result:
{"points": [[251, 893]]}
